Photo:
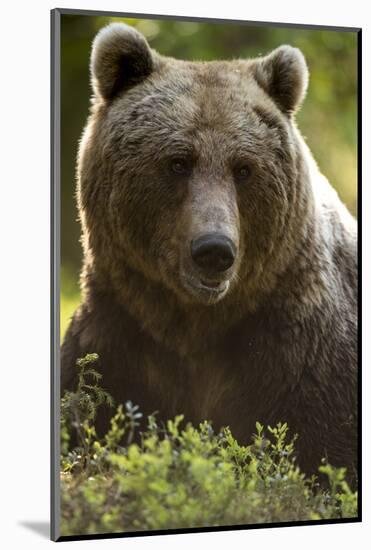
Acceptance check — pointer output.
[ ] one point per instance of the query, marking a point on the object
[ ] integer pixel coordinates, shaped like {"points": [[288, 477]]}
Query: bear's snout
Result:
{"points": [[213, 252]]}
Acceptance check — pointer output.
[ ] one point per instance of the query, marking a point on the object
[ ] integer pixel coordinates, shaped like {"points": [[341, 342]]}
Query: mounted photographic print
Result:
{"points": [[205, 370]]}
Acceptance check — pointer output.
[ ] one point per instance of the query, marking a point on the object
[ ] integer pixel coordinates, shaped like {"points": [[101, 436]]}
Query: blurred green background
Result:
{"points": [[327, 118]]}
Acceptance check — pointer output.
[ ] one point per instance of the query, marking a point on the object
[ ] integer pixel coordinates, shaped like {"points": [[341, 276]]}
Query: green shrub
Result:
{"points": [[181, 476]]}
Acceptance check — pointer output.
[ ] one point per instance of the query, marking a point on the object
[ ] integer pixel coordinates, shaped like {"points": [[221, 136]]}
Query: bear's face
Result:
{"points": [[194, 168]]}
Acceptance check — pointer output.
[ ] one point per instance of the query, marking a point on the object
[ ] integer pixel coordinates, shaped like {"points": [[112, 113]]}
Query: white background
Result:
{"points": [[24, 273]]}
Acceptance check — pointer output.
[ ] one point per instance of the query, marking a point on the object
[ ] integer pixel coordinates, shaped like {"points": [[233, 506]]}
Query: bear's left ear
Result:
{"points": [[283, 74], [120, 58]]}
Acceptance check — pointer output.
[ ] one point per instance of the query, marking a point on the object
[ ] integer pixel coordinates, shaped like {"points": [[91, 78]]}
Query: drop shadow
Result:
{"points": [[42, 528]]}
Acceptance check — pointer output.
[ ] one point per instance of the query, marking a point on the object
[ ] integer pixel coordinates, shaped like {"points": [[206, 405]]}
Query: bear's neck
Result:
{"points": [[156, 310]]}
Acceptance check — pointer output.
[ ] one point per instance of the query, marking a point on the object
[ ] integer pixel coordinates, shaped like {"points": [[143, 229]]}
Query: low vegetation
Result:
{"points": [[175, 475]]}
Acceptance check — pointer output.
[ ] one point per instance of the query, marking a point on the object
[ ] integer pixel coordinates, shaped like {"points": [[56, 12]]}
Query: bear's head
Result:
{"points": [[191, 174]]}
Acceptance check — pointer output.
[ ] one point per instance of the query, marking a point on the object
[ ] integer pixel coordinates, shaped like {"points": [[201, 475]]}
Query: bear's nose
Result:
{"points": [[213, 252]]}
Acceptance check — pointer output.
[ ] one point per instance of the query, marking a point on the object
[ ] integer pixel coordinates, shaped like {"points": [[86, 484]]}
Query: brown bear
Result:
{"points": [[219, 275]]}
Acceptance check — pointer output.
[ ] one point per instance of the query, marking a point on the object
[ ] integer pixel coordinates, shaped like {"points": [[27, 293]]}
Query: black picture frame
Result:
{"points": [[55, 251]]}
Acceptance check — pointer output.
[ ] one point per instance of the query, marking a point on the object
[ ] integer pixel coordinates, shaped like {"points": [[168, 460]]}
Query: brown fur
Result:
{"points": [[279, 343]]}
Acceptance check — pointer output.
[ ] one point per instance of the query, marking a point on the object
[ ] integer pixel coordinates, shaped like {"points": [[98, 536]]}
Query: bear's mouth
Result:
{"points": [[207, 291]]}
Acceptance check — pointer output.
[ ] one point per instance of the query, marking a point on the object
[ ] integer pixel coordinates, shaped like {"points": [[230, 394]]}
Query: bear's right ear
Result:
{"points": [[120, 58]]}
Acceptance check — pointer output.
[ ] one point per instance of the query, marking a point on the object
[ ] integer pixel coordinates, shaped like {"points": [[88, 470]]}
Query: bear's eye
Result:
{"points": [[241, 172], [180, 166]]}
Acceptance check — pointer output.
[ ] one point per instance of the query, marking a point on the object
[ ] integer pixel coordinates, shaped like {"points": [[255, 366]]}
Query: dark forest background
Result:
{"points": [[327, 118]]}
